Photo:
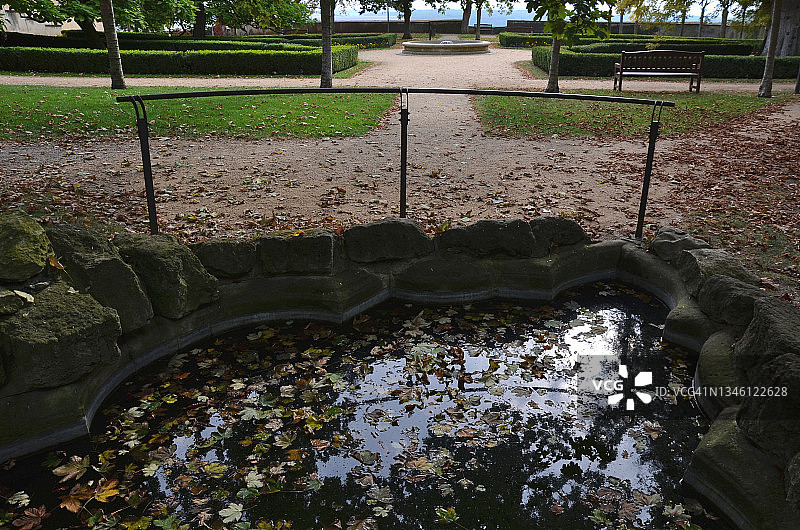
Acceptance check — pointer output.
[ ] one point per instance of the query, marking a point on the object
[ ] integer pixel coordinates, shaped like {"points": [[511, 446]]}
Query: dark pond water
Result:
{"points": [[490, 415]]}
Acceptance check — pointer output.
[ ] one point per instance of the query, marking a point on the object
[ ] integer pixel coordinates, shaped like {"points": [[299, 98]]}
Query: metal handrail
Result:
{"points": [[403, 92]]}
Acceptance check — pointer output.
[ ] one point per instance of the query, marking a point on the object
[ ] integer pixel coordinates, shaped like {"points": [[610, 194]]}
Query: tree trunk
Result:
{"points": [[702, 16], [621, 14], [797, 83], [326, 14], [765, 90], [724, 28], [741, 31], [407, 20], [683, 21], [610, 16], [552, 76], [200, 20], [789, 33], [92, 36], [478, 8], [465, 16], [110, 30]]}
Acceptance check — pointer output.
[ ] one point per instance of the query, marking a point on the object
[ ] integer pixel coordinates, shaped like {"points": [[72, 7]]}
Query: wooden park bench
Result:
{"points": [[660, 63]]}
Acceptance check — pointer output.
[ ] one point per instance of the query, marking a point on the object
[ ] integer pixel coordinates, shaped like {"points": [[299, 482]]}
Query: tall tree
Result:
{"points": [[703, 5], [84, 13], [200, 21], [110, 30], [725, 7], [765, 90], [466, 13], [404, 7], [788, 42], [566, 22], [326, 14]]}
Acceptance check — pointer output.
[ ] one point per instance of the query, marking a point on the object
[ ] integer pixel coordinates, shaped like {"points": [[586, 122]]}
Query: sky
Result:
{"points": [[521, 12]]}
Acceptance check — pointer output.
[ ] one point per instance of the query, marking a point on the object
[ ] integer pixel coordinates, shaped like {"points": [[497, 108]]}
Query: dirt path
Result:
{"points": [[457, 174]]}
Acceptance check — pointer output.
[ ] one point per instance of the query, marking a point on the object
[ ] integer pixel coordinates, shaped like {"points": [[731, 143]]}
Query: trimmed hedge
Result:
{"points": [[732, 48], [362, 40], [722, 66], [739, 46], [187, 45], [255, 62]]}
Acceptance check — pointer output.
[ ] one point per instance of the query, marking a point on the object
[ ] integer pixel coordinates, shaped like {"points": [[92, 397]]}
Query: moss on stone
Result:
{"points": [[173, 277], [24, 247], [95, 267], [63, 336]]}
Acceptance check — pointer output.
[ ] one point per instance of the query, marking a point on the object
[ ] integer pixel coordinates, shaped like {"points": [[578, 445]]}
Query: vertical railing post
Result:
{"points": [[143, 129], [655, 125], [403, 149]]}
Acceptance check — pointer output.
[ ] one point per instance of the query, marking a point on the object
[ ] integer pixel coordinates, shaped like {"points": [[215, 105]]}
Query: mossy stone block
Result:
{"points": [[492, 238], [24, 247], [554, 231], [670, 242], [771, 418], [729, 300], [716, 369], [226, 258], [688, 326], [385, 240], [335, 294], [737, 478], [698, 265], [773, 331], [62, 337], [300, 252], [444, 274], [173, 277], [95, 267]]}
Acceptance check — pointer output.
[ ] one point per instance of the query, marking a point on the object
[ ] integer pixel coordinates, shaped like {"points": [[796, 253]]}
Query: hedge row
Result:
{"points": [[723, 66], [732, 48], [256, 62], [187, 45], [528, 40], [362, 40]]}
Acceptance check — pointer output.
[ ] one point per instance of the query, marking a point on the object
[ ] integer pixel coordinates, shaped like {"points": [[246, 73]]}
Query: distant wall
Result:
{"points": [[15, 22]]}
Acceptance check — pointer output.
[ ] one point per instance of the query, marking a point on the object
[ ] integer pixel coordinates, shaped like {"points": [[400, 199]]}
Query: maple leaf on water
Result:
{"points": [[32, 518], [74, 500], [106, 491], [75, 468]]}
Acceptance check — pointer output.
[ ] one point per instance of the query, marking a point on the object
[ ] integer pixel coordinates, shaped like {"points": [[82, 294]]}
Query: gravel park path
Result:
{"points": [[457, 173]]}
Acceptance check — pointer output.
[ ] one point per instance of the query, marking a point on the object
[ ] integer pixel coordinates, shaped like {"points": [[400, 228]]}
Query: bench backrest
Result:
{"points": [[662, 61]]}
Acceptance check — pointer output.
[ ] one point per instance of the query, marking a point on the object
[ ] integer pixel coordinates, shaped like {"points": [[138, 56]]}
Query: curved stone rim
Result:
{"points": [[457, 47]]}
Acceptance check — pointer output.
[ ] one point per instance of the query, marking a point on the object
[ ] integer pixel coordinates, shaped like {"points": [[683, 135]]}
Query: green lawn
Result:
{"points": [[31, 112], [344, 74], [520, 117]]}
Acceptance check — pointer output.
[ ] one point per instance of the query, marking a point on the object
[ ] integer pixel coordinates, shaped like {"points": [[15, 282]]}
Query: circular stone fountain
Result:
{"points": [[445, 47]]}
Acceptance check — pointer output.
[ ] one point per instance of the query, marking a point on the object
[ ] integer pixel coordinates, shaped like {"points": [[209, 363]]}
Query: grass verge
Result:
{"points": [[32, 112], [344, 74], [520, 117]]}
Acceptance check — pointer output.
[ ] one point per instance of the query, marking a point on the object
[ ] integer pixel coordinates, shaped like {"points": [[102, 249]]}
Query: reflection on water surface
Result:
{"points": [[479, 416]]}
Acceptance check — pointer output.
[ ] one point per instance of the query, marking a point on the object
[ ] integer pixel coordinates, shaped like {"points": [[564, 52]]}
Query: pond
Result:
{"points": [[490, 415]]}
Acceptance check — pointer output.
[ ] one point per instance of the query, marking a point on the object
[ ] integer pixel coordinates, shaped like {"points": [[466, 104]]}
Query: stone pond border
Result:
{"points": [[80, 314]]}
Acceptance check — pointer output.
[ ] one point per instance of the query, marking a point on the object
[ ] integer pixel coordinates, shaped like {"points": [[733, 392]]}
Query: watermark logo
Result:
{"points": [[642, 379]]}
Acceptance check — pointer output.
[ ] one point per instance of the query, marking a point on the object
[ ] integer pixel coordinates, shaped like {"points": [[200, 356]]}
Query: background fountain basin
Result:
{"points": [[445, 47]]}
